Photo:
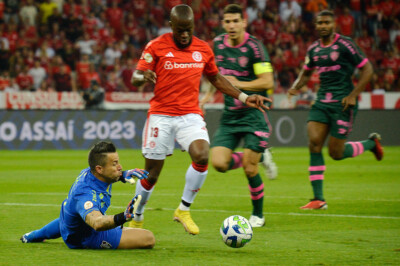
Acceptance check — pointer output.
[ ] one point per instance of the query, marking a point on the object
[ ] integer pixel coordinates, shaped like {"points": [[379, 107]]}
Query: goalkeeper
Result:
{"points": [[83, 222]]}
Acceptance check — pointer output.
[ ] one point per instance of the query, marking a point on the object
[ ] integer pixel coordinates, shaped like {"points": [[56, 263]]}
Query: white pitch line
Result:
{"points": [[221, 211], [199, 195]]}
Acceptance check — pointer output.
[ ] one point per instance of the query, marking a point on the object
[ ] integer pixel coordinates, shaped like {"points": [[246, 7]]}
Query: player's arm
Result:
{"points": [[302, 79], [264, 80], [210, 91], [366, 72], [223, 85], [100, 222], [140, 77]]}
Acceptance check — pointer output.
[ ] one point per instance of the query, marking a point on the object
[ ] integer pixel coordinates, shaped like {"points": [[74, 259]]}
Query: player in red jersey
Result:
{"points": [[175, 62]]}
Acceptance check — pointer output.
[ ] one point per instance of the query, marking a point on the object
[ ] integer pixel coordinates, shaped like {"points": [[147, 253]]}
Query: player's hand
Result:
{"points": [[257, 101], [291, 92], [129, 213], [130, 175], [150, 76], [348, 102]]}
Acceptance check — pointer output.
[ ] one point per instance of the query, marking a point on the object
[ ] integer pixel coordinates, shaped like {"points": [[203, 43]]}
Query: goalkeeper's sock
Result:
{"points": [[353, 149], [195, 177], [316, 171], [256, 187], [236, 160], [49, 231], [143, 188]]}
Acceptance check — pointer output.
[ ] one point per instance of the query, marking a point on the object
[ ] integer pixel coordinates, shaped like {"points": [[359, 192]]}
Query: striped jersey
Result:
{"points": [[239, 61], [335, 64]]}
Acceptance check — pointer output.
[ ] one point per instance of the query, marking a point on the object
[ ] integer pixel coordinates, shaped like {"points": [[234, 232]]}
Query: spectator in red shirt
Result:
{"points": [[87, 77], [126, 75], [24, 80], [365, 42], [114, 15], [63, 80], [345, 23]]}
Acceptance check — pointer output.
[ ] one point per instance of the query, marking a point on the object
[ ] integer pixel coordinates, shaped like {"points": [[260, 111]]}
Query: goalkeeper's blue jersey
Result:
{"points": [[87, 194]]}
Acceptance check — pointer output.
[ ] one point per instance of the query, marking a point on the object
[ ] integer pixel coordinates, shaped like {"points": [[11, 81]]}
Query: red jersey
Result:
{"points": [[178, 71]]}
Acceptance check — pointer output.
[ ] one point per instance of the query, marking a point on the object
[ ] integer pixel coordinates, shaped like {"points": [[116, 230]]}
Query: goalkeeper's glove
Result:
{"points": [[129, 212], [129, 175]]}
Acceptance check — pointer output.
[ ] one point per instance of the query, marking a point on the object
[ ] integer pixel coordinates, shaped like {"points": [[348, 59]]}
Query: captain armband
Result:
{"points": [[262, 67]]}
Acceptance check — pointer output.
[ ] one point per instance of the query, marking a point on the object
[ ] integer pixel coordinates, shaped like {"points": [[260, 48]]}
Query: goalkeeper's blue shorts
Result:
{"points": [[101, 240]]}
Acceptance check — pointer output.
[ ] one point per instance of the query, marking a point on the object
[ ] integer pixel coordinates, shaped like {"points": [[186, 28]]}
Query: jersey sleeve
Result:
{"points": [[354, 54], [261, 59], [84, 205], [210, 68], [148, 58]]}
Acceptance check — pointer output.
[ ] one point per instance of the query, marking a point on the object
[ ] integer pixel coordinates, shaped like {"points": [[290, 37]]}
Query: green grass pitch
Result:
{"points": [[361, 226]]}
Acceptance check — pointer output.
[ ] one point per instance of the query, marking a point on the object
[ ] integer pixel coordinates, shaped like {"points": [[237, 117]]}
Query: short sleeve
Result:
{"points": [[84, 205], [354, 54], [210, 68], [148, 58]]}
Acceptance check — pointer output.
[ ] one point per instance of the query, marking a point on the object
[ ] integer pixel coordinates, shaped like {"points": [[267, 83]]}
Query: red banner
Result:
{"points": [[43, 100]]}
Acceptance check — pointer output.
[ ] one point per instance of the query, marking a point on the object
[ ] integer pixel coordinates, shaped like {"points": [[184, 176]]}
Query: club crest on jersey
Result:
{"points": [[334, 55], [197, 56], [243, 61]]}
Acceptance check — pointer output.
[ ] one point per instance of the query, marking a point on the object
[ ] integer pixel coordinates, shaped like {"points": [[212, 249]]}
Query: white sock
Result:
{"points": [[183, 207], [145, 196], [194, 181]]}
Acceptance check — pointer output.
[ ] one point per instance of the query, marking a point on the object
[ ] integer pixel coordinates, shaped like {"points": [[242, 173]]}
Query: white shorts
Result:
{"points": [[161, 131]]}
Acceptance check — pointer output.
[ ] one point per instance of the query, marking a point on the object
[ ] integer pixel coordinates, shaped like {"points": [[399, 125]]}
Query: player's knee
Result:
{"points": [[149, 240], [200, 158], [220, 166], [336, 154], [250, 170]]}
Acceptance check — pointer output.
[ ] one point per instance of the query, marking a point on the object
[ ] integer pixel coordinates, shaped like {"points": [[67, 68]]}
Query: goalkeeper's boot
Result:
{"points": [[30, 238], [256, 221], [377, 150], [186, 220], [137, 221], [315, 204], [271, 170]]}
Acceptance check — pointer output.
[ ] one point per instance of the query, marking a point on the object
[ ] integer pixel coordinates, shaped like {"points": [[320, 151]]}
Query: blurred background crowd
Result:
{"points": [[72, 45]]}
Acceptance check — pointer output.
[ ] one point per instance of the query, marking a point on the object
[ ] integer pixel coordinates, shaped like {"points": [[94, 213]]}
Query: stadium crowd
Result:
{"points": [[64, 45]]}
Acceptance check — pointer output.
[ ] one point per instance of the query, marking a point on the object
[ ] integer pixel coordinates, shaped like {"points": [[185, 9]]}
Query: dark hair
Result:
{"points": [[233, 9], [98, 154], [326, 13]]}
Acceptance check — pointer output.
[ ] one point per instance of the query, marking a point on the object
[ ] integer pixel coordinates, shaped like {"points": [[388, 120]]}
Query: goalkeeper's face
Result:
{"points": [[111, 171]]}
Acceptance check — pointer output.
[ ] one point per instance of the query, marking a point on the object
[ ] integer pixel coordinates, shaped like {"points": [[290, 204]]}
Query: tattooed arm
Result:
{"points": [[100, 222]]}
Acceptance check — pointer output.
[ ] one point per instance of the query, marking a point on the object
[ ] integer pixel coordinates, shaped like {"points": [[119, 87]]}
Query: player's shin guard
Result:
{"points": [[353, 149], [143, 188], [316, 170], [195, 177], [236, 160], [256, 187]]}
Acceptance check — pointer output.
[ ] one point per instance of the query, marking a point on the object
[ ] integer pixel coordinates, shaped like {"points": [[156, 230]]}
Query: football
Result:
{"points": [[236, 231]]}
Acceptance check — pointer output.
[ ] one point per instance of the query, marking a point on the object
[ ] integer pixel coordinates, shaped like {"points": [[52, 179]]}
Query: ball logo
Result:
{"points": [[88, 205], [168, 65], [197, 56]]}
